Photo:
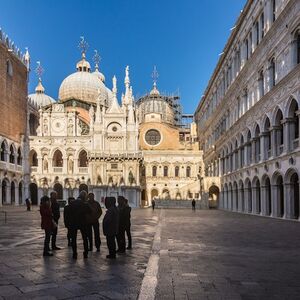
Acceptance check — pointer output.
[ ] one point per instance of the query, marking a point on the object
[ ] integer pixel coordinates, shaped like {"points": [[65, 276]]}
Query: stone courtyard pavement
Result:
{"points": [[177, 254]]}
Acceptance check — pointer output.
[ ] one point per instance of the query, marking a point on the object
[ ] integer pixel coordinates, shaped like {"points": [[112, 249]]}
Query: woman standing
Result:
{"points": [[47, 223]]}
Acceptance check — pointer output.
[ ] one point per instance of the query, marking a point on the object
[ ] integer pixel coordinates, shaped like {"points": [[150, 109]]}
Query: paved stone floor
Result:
{"points": [[178, 254]]}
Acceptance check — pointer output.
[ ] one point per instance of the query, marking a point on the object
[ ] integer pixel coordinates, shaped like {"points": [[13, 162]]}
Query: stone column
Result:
{"points": [[17, 200], [240, 199], [254, 199], [246, 195], [264, 200], [263, 146], [289, 201], [40, 194], [288, 132], [275, 200], [274, 144], [65, 165], [253, 151]]}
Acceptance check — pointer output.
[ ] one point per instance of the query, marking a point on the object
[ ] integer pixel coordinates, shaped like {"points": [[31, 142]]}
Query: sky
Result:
{"points": [[183, 39]]}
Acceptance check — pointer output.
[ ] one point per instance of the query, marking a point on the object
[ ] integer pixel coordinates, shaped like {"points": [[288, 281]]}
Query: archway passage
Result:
{"points": [[12, 193], [268, 198], [59, 190], [33, 190], [20, 193], [154, 194], [83, 187], [213, 196], [4, 191], [295, 194]]}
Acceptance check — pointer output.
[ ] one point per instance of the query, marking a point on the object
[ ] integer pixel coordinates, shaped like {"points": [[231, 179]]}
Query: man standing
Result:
{"points": [[193, 204], [78, 215], [122, 225], [153, 204], [56, 216], [110, 226], [67, 220], [93, 222]]}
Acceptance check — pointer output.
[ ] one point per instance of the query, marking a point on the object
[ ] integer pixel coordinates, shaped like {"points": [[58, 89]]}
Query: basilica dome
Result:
{"points": [[39, 98], [83, 85]]}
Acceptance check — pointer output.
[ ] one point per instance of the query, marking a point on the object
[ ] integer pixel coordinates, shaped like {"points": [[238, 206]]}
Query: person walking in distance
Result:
{"points": [[122, 225], [67, 220], [110, 226], [193, 204], [79, 210], [128, 224], [47, 223], [56, 216], [153, 204], [93, 222]]}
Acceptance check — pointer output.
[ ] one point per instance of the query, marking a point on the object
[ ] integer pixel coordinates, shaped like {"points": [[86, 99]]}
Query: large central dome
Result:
{"points": [[83, 85]]}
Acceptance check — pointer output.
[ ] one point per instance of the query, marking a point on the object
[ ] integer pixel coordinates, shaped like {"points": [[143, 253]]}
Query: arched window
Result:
{"points": [[9, 68], [3, 151], [12, 154], [298, 47], [242, 152], [165, 171], [279, 132], [33, 124], [272, 73], [57, 159], [294, 126], [249, 148], [19, 159], [33, 161], [257, 32], [261, 85], [257, 144], [267, 133], [154, 171], [82, 159], [188, 171], [273, 10], [176, 171]]}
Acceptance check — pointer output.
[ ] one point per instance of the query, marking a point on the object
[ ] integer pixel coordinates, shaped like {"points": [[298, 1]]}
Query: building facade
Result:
{"points": [[85, 140], [172, 161], [248, 118], [14, 172]]}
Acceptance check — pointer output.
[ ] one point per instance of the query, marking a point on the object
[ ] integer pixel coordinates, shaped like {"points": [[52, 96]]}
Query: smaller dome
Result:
{"points": [[83, 65], [40, 99], [154, 91], [99, 75]]}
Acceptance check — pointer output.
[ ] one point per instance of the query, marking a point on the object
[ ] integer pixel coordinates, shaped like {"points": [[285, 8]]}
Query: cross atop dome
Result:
{"points": [[96, 59], [39, 71], [83, 46], [154, 76]]}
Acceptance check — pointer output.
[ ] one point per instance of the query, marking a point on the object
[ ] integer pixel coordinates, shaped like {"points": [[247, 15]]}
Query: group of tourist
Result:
{"points": [[82, 214]]}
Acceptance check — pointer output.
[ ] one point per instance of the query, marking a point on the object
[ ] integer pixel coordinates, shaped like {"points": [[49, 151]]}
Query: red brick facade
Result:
{"points": [[13, 95]]}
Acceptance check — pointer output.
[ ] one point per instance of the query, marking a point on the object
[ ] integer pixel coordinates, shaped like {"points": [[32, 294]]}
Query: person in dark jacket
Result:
{"points": [[47, 223], [56, 216], [128, 224], [78, 215], [110, 225], [93, 222], [193, 204], [122, 225], [153, 204], [67, 220]]}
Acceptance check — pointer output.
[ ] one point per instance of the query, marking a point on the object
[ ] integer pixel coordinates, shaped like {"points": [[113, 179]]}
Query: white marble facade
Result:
{"points": [[248, 119]]}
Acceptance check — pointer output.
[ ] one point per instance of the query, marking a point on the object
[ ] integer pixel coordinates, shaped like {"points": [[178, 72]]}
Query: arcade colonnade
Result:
{"points": [[275, 196]]}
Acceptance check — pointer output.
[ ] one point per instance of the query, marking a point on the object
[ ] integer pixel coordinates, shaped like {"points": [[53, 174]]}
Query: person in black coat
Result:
{"points": [[56, 216], [78, 214], [122, 225], [67, 220], [110, 225], [128, 224]]}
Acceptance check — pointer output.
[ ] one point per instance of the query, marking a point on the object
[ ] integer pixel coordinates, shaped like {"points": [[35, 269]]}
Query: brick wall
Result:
{"points": [[13, 96]]}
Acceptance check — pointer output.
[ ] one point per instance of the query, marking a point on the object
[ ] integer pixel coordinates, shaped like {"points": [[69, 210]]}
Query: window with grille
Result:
{"points": [[152, 137]]}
